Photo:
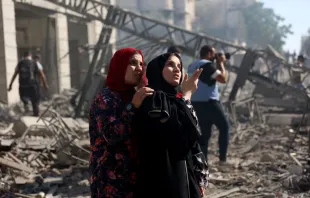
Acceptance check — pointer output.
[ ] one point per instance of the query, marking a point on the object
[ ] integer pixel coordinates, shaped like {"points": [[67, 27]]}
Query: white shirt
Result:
{"points": [[40, 67], [38, 64]]}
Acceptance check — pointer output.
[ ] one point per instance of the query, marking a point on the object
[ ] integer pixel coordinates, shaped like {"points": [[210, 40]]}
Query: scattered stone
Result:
{"points": [[266, 157]]}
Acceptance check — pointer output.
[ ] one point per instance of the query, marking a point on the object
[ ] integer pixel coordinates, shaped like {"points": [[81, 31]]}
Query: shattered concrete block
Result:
{"points": [[84, 126], [285, 119], [266, 157], [295, 170], [83, 182], [279, 102], [63, 159], [25, 122], [53, 180], [6, 142]]}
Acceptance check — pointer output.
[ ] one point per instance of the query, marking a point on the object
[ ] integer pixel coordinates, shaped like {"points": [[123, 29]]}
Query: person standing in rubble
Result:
{"points": [[206, 100], [167, 130], [29, 73], [113, 160]]}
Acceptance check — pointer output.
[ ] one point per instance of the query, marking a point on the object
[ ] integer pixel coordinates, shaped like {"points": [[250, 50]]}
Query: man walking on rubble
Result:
{"points": [[206, 100], [29, 73]]}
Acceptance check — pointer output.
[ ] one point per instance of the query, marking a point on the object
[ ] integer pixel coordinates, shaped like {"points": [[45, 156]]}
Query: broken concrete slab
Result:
{"points": [[285, 119], [38, 128], [6, 142], [53, 180], [267, 157], [279, 102], [25, 122], [14, 165], [84, 126]]}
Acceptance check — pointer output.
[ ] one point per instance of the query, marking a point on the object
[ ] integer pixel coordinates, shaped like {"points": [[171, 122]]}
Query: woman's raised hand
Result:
{"points": [[190, 85], [140, 95]]}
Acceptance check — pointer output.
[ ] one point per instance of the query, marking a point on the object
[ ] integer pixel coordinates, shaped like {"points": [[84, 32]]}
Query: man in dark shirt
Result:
{"points": [[30, 74], [206, 100]]}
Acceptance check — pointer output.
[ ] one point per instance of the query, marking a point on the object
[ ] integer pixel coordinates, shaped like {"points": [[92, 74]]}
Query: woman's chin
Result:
{"points": [[174, 83]]}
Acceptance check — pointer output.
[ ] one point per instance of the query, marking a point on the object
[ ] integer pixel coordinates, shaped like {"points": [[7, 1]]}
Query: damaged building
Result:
{"points": [[50, 31]]}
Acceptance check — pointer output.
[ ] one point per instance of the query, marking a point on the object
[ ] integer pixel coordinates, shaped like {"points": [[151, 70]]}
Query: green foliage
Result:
{"points": [[264, 27]]}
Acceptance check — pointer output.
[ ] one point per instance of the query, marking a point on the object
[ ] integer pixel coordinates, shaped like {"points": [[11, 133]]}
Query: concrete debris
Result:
{"points": [[263, 162], [47, 157]]}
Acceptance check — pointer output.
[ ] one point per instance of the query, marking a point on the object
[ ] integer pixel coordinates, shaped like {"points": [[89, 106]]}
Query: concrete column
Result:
{"points": [[113, 38], [94, 29], [184, 13], [8, 52], [160, 9], [62, 49]]}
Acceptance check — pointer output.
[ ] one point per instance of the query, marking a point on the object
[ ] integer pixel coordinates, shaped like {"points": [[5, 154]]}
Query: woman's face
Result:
{"points": [[172, 70], [134, 70]]}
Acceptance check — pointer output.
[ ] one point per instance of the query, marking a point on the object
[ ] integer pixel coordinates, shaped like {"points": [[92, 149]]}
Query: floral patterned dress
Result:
{"points": [[112, 161]]}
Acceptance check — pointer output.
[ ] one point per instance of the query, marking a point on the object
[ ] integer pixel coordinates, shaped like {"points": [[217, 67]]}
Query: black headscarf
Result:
{"points": [[166, 133], [155, 78], [169, 109]]}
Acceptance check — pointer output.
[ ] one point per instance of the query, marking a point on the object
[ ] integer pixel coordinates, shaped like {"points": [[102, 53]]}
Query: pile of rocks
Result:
{"points": [[33, 165], [258, 163], [43, 157]]}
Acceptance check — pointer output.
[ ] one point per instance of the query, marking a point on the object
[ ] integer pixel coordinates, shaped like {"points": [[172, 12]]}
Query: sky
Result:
{"points": [[295, 12]]}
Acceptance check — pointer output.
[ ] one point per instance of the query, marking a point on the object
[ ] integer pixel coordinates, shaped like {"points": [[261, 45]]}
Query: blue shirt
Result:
{"points": [[207, 85]]}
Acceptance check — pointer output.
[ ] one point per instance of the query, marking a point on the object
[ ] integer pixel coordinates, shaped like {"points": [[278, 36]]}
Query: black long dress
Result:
{"points": [[170, 160]]}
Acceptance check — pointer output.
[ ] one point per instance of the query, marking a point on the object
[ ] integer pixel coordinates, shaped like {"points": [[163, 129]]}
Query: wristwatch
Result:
{"points": [[130, 107], [187, 102]]}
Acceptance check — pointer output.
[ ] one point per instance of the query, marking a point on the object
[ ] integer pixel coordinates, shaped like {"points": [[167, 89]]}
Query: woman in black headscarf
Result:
{"points": [[171, 162]]}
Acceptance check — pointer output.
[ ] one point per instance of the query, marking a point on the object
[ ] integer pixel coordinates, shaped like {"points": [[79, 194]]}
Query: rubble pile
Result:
{"points": [[61, 103], [258, 162], [48, 157]]}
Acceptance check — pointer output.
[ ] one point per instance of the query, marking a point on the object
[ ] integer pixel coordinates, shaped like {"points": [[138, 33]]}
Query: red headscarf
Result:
{"points": [[117, 70]]}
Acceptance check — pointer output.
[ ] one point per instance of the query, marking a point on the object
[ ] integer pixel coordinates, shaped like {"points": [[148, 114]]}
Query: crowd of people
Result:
{"points": [[149, 128]]}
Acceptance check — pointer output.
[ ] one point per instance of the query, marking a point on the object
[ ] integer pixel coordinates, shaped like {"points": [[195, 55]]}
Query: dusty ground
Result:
{"points": [[258, 155], [260, 161]]}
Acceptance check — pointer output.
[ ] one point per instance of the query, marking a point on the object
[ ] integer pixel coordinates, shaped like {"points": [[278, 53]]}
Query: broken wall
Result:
{"points": [[79, 60], [8, 51], [37, 34]]}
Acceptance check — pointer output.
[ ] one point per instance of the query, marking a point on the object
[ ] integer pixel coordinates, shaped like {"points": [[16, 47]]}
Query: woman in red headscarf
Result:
{"points": [[113, 161]]}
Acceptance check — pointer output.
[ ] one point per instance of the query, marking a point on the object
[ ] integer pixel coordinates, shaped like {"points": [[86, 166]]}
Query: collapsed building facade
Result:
{"points": [[76, 39], [57, 34]]}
